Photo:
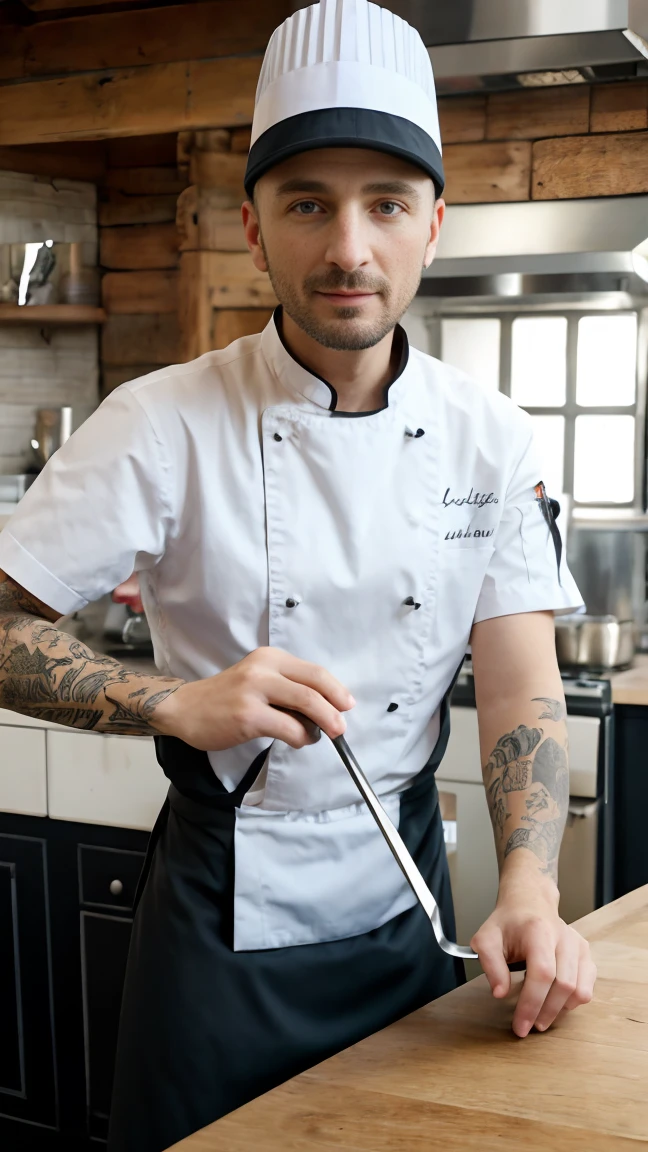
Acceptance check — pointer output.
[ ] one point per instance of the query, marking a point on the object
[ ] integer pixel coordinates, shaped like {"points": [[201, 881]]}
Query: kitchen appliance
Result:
{"points": [[486, 45], [586, 866], [53, 428], [594, 643]]}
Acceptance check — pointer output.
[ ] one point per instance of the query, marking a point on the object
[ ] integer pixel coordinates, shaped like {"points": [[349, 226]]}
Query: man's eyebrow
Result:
{"points": [[392, 188], [301, 184]]}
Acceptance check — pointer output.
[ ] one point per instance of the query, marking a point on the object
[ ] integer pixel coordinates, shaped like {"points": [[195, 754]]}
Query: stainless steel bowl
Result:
{"points": [[597, 643]]}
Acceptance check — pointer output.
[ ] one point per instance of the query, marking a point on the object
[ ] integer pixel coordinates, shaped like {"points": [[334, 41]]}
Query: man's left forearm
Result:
{"points": [[526, 776]]}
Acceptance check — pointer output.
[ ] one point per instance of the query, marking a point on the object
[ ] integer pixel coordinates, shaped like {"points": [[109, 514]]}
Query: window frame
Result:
{"points": [[573, 312]]}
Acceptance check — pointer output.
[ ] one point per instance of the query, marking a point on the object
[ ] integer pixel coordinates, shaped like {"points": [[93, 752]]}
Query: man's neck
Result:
{"points": [[359, 378]]}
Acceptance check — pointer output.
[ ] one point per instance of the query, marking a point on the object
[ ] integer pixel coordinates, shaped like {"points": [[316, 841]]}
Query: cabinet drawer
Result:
{"points": [[108, 876]]}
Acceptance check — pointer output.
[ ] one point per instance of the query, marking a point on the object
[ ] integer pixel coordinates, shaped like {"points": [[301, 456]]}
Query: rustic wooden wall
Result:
{"points": [[539, 144], [547, 144], [94, 90], [139, 256]]}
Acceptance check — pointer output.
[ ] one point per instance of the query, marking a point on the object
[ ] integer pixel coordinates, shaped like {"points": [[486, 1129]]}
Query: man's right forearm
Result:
{"points": [[50, 675]]}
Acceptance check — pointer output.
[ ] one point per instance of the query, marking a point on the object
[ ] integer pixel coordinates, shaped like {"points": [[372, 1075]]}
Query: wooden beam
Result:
{"points": [[120, 209], [153, 339], [214, 280], [536, 112], [232, 323], [485, 173], [619, 107], [583, 166], [148, 36], [61, 5], [142, 151], [146, 181], [234, 282], [85, 160], [222, 173], [462, 119], [139, 246], [137, 292], [203, 224], [130, 102]]}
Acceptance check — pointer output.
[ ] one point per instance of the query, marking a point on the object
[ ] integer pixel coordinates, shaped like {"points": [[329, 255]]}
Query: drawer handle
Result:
{"points": [[116, 887]]}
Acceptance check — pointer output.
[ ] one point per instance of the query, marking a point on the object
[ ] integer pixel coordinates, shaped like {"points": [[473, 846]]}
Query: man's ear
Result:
{"points": [[435, 230], [252, 230]]}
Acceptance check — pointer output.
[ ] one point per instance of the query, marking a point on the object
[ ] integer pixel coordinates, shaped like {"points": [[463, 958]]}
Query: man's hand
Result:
{"points": [[525, 926], [245, 702]]}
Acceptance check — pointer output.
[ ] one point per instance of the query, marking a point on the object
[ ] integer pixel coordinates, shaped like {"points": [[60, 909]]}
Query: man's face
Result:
{"points": [[344, 234]]}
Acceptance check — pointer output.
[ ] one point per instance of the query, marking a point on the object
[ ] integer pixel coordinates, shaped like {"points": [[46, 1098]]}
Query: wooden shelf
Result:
{"points": [[51, 314]]}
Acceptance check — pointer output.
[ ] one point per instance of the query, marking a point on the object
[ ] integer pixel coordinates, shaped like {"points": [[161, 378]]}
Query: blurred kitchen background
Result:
{"points": [[123, 140]]}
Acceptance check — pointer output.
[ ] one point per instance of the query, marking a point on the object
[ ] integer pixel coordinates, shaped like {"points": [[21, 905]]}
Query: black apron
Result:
{"points": [[205, 1029]]}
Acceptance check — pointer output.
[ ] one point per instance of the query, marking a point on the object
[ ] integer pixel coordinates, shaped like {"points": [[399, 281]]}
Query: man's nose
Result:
{"points": [[348, 241]]}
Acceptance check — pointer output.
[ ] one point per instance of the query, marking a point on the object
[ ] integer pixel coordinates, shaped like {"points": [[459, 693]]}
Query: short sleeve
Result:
{"points": [[98, 511], [524, 573]]}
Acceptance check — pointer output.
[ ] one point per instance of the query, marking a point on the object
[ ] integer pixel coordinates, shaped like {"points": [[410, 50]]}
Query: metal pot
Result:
{"points": [[597, 643]]}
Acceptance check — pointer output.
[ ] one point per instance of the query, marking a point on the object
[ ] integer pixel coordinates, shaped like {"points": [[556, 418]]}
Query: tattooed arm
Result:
{"points": [[523, 738], [47, 674]]}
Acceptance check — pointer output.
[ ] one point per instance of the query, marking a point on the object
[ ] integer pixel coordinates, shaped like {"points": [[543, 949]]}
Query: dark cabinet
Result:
{"points": [[27, 1067], [631, 799], [104, 951], [66, 900]]}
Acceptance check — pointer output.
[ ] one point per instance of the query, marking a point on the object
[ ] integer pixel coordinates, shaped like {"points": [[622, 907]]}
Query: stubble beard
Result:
{"points": [[346, 333]]}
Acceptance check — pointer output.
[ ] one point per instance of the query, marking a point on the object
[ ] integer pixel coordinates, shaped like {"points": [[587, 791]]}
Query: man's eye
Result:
{"points": [[389, 208], [306, 208]]}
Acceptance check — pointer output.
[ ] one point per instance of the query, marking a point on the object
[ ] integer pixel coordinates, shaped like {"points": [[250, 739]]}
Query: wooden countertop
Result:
{"points": [[453, 1076], [631, 687]]}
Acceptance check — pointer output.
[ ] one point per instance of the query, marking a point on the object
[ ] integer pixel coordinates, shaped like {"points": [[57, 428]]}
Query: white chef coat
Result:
{"points": [[254, 516]]}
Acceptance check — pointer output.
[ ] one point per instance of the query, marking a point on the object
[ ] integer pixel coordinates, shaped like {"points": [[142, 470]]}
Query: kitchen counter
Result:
{"points": [[631, 687], [454, 1076]]}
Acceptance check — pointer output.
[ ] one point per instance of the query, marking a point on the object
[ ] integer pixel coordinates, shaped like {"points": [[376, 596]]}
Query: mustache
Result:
{"points": [[337, 280]]}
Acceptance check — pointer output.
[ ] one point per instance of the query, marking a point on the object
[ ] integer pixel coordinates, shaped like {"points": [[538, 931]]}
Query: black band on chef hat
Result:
{"points": [[344, 128]]}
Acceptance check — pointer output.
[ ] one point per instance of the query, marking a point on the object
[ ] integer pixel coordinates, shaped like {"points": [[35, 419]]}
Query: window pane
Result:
{"points": [[607, 360], [539, 361], [549, 435], [604, 459], [473, 345]]}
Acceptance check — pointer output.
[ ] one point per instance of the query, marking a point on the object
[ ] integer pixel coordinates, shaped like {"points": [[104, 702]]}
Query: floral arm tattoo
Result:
{"points": [[47, 674], [527, 785]]}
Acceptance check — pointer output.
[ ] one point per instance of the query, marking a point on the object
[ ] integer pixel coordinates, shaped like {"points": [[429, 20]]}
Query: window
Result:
{"points": [[576, 375]]}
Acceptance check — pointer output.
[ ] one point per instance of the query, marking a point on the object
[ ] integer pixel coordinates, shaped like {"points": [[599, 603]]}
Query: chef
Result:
{"points": [[321, 518]]}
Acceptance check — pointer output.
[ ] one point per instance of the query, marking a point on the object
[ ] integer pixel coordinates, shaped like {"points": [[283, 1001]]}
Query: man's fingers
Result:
{"points": [[564, 986], [286, 693], [316, 677], [584, 990], [540, 955], [280, 725], [488, 945]]}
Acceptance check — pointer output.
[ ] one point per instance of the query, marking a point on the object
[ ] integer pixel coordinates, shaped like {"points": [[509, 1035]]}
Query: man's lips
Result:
{"points": [[346, 297]]}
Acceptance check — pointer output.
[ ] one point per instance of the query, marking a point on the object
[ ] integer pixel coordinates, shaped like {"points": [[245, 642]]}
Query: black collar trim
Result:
{"points": [[399, 334]]}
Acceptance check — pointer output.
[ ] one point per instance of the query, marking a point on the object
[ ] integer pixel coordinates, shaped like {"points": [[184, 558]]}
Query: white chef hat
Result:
{"points": [[345, 73]]}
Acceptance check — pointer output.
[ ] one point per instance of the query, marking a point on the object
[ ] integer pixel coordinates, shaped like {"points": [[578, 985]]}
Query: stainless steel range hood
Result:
{"points": [[479, 45], [589, 245], [490, 44]]}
